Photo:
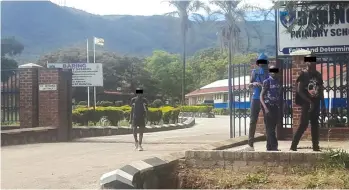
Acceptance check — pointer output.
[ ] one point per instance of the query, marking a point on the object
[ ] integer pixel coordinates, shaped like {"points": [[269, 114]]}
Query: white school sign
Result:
{"points": [[84, 74], [331, 39]]}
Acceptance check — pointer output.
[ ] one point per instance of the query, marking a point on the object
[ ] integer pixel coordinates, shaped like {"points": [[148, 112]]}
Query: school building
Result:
{"points": [[218, 90]]}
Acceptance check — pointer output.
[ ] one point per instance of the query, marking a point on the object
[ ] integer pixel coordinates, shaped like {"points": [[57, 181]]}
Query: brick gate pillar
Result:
{"points": [[28, 98], [55, 101]]}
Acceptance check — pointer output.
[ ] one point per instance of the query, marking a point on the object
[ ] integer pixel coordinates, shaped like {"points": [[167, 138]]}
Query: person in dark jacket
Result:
{"points": [[258, 75], [138, 117], [310, 93]]}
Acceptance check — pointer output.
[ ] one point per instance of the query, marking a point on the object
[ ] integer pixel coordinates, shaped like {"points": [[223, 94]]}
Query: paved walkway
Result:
{"points": [[304, 146], [80, 164]]}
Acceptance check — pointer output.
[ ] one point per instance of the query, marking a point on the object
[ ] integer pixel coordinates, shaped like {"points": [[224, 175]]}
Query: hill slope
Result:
{"points": [[43, 27]]}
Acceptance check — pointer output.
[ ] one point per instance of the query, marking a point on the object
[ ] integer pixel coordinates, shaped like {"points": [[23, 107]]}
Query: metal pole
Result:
{"points": [[230, 91], [88, 60], [94, 61], [183, 71]]}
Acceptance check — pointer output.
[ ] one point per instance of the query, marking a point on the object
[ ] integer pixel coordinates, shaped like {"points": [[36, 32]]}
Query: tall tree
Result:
{"points": [[234, 12], [10, 47], [183, 10], [164, 68], [235, 25]]}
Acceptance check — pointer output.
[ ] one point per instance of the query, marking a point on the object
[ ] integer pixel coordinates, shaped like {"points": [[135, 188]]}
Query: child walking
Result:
{"points": [[270, 100]]}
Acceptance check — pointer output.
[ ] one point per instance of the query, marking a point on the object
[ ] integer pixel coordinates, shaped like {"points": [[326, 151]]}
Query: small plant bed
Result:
{"points": [[331, 173]]}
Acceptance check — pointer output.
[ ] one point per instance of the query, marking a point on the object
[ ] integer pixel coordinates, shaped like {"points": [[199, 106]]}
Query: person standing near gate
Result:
{"points": [[270, 100], [138, 117], [258, 75], [309, 95]]}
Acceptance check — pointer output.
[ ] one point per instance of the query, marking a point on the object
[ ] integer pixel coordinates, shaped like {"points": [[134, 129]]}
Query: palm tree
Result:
{"points": [[234, 13], [183, 10]]}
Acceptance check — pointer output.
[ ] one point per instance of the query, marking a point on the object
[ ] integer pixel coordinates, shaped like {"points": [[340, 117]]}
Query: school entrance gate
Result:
{"points": [[334, 69]]}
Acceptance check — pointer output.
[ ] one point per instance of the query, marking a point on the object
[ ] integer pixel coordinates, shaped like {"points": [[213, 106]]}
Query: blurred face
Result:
{"points": [[273, 71], [310, 66], [262, 64], [139, 93]]}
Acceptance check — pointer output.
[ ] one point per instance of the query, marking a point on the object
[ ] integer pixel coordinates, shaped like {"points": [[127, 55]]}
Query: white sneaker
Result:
{"points": [[140, 148], [249, 148], [136, 145]]}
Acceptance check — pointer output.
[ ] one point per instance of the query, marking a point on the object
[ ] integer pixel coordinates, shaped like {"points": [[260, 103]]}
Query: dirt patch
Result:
{"points": [[264, 179]]}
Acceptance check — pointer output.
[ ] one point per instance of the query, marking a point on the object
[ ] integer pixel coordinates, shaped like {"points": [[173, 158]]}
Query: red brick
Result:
{"points": [[28, 97]]}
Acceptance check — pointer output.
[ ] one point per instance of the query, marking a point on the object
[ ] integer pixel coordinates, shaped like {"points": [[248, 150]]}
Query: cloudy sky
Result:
{"points": [[133, 7]]}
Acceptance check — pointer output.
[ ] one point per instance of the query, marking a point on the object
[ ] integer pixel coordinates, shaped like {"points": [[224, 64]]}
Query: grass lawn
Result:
{"points": [[330, 174]]}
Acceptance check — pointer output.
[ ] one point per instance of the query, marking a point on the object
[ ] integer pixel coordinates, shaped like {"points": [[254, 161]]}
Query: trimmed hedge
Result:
{"points": [[196, 109], [85, 115]]}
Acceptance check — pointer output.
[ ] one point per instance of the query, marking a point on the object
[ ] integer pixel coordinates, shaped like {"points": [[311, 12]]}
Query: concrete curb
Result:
{"points": [[151, 172]]}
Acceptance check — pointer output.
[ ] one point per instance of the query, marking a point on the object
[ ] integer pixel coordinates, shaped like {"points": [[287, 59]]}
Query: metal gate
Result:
{"points": [[284, 129], [10, 97], [241, 98], [334, 69]]}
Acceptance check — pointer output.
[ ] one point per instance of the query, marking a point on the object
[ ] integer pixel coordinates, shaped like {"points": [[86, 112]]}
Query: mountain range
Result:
{"points": [[43, 27]]}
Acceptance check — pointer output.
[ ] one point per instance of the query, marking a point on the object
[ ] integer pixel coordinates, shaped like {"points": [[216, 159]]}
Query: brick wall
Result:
{"points": [[28, 101], [49, 100], [46, 108], [248, 161], [55, 106]]}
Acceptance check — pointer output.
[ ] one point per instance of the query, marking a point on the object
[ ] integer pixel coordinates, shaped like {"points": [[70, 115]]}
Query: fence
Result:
{"points": [[10, 97]]}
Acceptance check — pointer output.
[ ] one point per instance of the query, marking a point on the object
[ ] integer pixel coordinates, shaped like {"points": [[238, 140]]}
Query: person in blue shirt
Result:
{"points": [[270, 100], [258, 75]]}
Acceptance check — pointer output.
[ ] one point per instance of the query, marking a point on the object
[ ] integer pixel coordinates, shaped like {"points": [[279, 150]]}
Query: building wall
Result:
{"points": [[222, 97], [199, 99]]}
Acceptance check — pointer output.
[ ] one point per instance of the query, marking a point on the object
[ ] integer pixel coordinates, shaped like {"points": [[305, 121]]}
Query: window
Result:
{"points": [[225, 98], [218, 96]]}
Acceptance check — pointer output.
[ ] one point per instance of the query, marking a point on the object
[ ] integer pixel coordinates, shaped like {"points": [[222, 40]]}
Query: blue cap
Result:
{"points": [[262, 56]]}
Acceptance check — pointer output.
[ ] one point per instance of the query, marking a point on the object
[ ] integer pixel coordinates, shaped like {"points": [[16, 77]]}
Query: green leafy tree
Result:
{"points": [[209, 65], [183, 10], [165, 69], [119, 72], [10, 47]]}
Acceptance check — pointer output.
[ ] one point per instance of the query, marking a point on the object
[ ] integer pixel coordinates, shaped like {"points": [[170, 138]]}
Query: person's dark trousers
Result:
{"points": [[255, 109], [313, 116], [271, 120]]}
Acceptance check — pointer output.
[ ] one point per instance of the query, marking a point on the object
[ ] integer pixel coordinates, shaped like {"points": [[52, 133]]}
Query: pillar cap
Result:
{"points": [[29, 65]]}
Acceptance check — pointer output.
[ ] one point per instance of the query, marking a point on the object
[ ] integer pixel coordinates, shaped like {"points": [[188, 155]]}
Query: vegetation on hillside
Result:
{"points": [[158, 74], [44, 27]]}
